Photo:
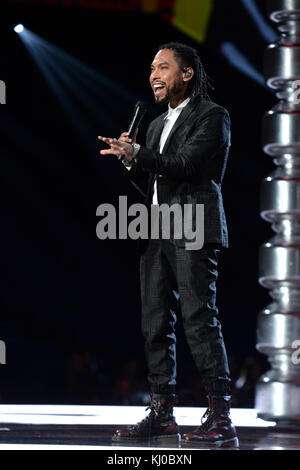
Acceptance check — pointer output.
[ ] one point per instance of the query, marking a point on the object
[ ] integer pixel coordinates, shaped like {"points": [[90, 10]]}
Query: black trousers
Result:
{"points": [[167, 270]]}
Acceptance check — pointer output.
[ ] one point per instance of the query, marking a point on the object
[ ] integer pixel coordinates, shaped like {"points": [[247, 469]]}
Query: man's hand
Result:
{"points": [[124, 137], [117, 148], [122, 146]]}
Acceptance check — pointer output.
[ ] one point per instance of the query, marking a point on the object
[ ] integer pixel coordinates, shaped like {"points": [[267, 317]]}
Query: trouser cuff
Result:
{"points": [[219, 389], [163, 389]]}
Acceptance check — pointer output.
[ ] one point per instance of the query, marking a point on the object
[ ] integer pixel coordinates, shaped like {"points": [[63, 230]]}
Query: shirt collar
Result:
{"points": [[178, 108]]}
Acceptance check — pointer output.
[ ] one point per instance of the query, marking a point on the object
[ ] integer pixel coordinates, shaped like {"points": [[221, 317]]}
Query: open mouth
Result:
{"points": [[158, 88]]}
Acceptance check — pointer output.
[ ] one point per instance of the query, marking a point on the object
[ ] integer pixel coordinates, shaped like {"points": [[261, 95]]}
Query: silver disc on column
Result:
{"points": [[278, 328]]}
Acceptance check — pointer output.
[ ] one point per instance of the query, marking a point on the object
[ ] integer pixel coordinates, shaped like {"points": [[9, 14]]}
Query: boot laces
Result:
{"points": [[205, 416], [207, 419], [151, 415], [155, 409]]}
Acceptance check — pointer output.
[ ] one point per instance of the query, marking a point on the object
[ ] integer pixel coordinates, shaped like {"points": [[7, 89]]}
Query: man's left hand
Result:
{"points": [[117, 148]]}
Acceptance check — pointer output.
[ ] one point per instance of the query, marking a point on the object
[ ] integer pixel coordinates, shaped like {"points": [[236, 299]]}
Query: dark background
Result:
{"points": [[69, 303]]}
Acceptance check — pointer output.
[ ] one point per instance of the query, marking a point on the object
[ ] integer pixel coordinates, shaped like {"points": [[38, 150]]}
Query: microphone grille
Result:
{"points": [[141, 105]]}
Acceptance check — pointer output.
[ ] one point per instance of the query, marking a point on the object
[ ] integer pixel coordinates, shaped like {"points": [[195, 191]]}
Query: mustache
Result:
{"points": [[157, 82]]}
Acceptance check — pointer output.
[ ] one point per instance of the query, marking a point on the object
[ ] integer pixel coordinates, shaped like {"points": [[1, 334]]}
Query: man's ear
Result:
{"points": [[188, 74]]}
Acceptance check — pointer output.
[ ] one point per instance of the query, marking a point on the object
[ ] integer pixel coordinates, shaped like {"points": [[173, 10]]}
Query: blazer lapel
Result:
{"points": [[180, 120], [155, 138]]}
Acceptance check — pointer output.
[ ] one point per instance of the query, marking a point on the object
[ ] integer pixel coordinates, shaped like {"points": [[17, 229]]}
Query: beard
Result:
{"points": [[170, 93]]}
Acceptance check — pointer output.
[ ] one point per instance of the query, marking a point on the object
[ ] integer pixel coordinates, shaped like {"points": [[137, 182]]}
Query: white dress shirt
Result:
{"points": [[170, 120]]}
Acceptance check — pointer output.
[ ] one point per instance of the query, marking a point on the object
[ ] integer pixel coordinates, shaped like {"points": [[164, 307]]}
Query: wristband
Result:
{"points": [[136, 149]]}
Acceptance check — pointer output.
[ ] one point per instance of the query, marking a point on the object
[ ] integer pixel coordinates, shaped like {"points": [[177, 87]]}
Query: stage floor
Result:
{"points": [[46, 427]]}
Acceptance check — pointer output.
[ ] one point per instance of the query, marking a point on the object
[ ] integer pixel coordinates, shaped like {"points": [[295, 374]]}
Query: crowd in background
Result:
{"points": [[84, 377]]}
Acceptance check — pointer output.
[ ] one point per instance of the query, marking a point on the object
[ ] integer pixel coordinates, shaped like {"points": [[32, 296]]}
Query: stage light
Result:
{"points": [[265, 30], [238, 60], [19, 28], [81, 90]]}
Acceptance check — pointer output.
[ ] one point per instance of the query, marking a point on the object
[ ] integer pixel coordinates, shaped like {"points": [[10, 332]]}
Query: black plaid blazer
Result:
{"points": [[191, 165]]}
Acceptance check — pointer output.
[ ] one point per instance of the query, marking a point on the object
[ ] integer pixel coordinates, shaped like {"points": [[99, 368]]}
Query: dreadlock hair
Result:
{"points": [[187, 56]]}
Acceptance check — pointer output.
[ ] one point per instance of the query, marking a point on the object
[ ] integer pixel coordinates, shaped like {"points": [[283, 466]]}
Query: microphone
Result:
{"points": [[139, 112]]}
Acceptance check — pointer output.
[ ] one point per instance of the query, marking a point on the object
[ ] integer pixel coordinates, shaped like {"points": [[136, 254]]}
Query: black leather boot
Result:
{"points": [[159, 424], [217, 429]]}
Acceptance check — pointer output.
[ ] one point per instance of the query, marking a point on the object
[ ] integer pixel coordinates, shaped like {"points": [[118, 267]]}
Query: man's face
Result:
{"points": [[166, 78]]}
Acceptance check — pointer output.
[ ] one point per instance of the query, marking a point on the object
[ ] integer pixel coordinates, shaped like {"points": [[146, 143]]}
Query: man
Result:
{"points": [[183, 162]]}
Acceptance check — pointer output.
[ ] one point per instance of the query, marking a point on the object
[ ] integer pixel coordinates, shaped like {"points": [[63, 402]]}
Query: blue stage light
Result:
{"points": [[19, 28]]}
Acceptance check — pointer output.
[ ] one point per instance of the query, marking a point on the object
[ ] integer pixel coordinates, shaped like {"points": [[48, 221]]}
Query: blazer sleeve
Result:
{"points": [[208, 135], [138, 174]]}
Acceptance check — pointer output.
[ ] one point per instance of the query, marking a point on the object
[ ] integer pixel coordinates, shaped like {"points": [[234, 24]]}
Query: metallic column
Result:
{"points": [[278, 391]]}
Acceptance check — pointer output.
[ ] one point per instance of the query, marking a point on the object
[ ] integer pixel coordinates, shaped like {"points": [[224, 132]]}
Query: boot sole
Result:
{"points": [[169, 438], [233, 442]]}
